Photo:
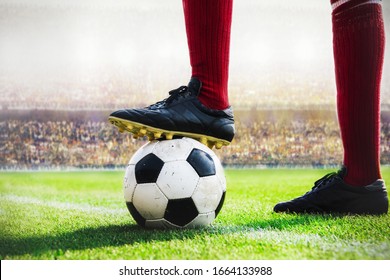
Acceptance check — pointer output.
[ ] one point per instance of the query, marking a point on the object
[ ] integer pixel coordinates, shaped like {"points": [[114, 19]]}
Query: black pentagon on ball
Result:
{"points": [[181, 211], [136, 215], [148, 169], [202, 162]]}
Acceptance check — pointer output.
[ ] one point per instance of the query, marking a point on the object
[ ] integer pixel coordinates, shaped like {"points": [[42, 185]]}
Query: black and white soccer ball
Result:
{"points": [[177, 183]]}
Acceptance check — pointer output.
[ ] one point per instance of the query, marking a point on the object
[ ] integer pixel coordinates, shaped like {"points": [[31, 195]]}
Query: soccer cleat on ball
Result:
{"points": [[179, 115], [176, 183], [331, 194]]}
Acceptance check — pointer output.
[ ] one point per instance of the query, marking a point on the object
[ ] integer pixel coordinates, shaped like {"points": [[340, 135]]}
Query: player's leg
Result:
{"points": [[358, 42], [208, 34], [359, 39], [201, 109]]}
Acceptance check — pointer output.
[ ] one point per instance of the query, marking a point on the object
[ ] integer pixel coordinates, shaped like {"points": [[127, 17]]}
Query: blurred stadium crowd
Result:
{"points": [[77, 56], [106, 92], [27, 144], [88, 55]]}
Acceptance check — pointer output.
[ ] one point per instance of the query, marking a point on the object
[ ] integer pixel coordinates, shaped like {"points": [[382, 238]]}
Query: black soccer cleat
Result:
{"points": [[331, 194], [179, 115]]}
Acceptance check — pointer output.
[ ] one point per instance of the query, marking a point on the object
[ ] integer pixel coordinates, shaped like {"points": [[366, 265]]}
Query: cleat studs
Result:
{"points": [[150, 137], [135, 136], [121, 129], [169, 136], [130, 126], [210, 144], [218, 145], [157, 135], [142, 131], [203, 140]]}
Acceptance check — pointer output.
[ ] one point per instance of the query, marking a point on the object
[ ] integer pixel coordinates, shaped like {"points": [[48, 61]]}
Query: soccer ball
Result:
{"points": [[177, 183]]}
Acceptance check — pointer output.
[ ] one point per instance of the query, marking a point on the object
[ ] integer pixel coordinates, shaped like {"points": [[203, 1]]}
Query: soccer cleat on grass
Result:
{"points": [[179, 115], [331, 194]]}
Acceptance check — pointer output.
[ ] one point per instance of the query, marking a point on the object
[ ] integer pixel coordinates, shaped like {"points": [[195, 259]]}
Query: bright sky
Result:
{"points": [[148, 37]]}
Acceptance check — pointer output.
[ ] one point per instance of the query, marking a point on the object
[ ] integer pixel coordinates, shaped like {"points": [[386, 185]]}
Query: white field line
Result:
{"points": [[325, 243], [63, 205]]}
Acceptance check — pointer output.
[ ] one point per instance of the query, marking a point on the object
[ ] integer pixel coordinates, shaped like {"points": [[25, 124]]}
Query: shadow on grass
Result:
{"points": [[89, 238], [119, 235]]}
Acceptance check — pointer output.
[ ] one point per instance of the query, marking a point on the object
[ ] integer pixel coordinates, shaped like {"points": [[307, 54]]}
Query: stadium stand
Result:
{"points": [[39, 140]]}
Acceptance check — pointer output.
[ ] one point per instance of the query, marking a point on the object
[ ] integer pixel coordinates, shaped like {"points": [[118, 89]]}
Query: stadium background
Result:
{"points": [[65, 65]]}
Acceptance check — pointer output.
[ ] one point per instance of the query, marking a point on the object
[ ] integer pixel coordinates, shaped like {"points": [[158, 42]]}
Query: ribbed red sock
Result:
{"points": [[358, 43], [208, 25]]}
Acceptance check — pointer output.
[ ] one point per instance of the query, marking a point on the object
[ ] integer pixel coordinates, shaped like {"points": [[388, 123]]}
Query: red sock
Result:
{"points": [[358, 43], [208, 25]]}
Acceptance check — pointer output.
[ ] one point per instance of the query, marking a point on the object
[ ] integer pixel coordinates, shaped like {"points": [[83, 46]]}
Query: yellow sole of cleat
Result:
{"points": [[218, 145], [139, 130]]}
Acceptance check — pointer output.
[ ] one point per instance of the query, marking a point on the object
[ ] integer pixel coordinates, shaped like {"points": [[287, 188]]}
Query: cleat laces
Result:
{"points": [[173, 95], [328, 178]]}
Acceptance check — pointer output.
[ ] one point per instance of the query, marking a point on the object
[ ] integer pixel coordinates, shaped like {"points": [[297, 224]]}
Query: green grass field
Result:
{"points": [[82, 215]]}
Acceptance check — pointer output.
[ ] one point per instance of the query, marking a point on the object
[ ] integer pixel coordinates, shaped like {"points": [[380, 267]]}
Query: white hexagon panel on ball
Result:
{"points": [[208, 194], [202, 220], [149, 201], [177, 179], [173, 150], [129, 183]]}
